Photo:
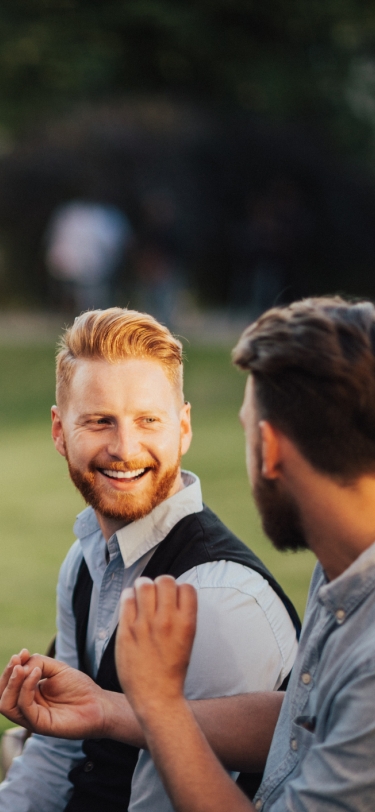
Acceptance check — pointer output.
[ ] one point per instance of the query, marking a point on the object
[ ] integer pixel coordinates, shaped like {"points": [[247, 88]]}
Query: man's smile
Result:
{"points": [[123, 477], [123, 474]]}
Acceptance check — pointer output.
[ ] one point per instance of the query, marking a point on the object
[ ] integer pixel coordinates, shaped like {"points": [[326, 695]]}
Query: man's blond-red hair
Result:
{"points": [[114, 335]]}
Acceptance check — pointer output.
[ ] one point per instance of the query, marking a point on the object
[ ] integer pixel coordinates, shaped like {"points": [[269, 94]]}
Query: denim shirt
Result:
{"points": [[323, 752]]}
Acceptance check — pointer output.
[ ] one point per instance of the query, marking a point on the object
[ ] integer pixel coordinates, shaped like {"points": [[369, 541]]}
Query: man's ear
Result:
{"points": [[271, 450], [57, 431], [185, 427]]}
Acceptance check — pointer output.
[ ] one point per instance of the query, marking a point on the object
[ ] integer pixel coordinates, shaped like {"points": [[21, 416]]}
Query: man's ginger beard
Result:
{"points": [[124, 506]]}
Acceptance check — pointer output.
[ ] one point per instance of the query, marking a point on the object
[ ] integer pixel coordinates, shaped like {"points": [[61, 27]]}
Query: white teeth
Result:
{"points": [[123, 474]]}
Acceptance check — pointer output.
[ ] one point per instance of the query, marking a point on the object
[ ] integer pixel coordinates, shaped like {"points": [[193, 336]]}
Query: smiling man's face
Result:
{"points": [[123, 431]]}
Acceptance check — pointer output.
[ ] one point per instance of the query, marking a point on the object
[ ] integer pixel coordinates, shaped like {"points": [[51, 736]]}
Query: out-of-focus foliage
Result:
{"points": [[287, 58], [219, 102]]}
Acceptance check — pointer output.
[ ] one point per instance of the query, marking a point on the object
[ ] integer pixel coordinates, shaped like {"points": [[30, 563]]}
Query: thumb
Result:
{"points": [[47, 665]]}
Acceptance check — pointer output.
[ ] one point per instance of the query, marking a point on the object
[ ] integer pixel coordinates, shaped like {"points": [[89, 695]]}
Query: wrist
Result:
{"points": [[112, 714], [151, 710]]}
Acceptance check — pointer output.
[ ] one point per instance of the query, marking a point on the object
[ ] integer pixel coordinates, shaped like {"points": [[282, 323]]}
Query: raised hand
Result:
{"points": [[48, 697], [154, 640]]}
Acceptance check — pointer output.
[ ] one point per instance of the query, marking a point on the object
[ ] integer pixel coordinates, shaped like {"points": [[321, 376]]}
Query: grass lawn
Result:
{"points": [[38, 503]]}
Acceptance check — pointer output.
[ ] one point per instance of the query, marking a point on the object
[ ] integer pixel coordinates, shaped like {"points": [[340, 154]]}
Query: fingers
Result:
{"points": [[26, 698], [16, 659], [9, 699], [145, 596], [162, 599], [24, 656], [166, 591], [173, 597], [188, 601], [128, 611], [48, 666]]}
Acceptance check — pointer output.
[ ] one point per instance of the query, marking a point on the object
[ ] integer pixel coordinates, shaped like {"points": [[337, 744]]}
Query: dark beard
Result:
{"points": [[125, 508], [280, 515]]}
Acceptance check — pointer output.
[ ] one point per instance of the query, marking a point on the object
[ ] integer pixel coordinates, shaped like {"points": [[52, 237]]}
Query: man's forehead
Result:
{"points": [[93, 370], [145, 378]]}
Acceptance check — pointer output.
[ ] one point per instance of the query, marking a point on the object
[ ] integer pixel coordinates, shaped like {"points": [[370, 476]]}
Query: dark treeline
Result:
{"points": [[221, 172], [255, 118]]}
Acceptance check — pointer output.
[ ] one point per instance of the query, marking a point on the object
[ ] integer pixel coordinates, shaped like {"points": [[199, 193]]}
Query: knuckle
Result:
{"points": [[165, 626]]}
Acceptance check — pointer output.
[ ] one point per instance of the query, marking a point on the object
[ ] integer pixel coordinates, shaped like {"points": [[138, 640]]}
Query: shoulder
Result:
{"points": [[228, 584], [245, 638], [224, 574], [203, 531]]}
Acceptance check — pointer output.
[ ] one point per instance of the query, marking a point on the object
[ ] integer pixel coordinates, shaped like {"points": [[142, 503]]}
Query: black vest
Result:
{"points": [[102, 781]]}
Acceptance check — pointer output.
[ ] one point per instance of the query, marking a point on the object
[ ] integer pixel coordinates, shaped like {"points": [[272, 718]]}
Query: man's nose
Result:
{"points": [[124, 443]]}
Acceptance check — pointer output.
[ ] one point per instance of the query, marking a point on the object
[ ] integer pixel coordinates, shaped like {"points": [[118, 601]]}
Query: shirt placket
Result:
{"points": [[302, 692], [109, 596]]}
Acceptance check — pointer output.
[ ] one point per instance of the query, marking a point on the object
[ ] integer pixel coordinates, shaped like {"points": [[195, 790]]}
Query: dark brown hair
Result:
{"points": [[313, 364]]}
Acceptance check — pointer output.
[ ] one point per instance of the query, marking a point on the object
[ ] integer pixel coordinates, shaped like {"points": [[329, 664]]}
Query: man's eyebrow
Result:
{"points": [[107, 413], [94, 413]]}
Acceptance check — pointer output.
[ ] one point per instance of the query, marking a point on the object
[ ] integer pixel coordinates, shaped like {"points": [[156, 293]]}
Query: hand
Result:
{"points": [[8, 691], [48, 697], [154, 640]]}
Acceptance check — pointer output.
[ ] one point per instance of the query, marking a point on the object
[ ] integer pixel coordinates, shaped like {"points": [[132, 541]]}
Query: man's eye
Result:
{"points": [[149, 419], [102, 421]]}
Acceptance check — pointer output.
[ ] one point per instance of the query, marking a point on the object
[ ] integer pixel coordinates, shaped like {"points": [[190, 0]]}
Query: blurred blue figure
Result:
{"points": [[86, 242]]}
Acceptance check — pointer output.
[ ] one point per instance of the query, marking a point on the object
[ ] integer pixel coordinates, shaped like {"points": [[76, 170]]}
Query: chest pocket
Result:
{"points": [[303, 733]]}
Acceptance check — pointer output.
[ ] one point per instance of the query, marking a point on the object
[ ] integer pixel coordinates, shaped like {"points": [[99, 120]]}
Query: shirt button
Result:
{"points": [[294, 744], [102, 634], [340, 615], [306, 678], [258, 804], [88, 767]]}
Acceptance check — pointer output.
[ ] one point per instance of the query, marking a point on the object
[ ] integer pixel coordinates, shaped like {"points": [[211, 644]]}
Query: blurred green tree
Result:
{"points": [[290, 59]]}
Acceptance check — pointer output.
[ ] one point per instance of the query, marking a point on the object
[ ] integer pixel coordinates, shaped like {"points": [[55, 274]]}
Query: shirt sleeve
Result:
{"points": [[337, 772], [245, 641], [38, 779]]}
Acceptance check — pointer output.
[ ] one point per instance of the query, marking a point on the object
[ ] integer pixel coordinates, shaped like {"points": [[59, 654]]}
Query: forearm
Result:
{"points": [[121, 723], [238, 728], [186, 763]]}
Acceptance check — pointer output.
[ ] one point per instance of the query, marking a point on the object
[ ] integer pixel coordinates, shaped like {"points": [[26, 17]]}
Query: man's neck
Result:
{"points": [[109, 525], [338, 520]]}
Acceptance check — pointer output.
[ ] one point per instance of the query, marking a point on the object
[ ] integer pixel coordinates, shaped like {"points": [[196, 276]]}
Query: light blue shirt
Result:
{"points": [[245, 641], [322, 756]]}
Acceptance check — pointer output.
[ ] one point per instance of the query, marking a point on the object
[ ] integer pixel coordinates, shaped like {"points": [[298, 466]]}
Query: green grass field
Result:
{"points": [[38, 503]]}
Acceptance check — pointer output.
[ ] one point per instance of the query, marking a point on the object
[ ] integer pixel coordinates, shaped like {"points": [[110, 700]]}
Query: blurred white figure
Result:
{"points": [[85, 244]]}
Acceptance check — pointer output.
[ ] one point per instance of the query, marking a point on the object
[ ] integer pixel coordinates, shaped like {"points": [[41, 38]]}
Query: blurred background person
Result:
{"points": [[85, 244]]}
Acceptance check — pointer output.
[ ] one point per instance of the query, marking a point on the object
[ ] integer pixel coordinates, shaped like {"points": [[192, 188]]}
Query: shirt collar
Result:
{"points": [[139, 537], [350, 588]]}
